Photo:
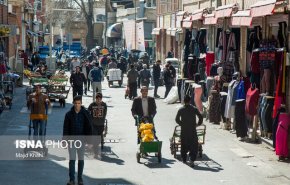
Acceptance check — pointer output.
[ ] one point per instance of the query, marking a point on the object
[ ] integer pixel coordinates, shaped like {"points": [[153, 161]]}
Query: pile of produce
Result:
{"points": [[27, 73], [146, 132]]}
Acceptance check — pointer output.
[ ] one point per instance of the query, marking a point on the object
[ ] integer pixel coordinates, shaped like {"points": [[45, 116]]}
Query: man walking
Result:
{"points": [[38, 103], [145, 76], [77, 123], [77, 81], [186, 118], [144, 105], [132, 76], [96, 75], [168, 80], [98, 111], [156, 77]]}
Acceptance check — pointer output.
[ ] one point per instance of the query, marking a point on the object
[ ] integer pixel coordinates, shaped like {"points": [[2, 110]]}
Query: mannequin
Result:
{"points": [[230, 108], [219, 80]]}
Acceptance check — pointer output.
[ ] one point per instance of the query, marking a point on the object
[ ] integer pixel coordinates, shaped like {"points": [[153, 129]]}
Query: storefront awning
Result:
{"points": [[197, 15], [225, 11], [179, 18], [187, 22], [156, 31], [210, 19], [115, 30], [242, 18], [263, 8]]}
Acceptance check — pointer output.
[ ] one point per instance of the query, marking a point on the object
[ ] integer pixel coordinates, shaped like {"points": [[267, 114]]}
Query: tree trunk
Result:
{"points": [[90, 35]]}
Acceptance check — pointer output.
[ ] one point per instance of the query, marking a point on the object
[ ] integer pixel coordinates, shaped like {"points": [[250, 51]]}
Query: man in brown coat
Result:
{"points": [[38, 103]]}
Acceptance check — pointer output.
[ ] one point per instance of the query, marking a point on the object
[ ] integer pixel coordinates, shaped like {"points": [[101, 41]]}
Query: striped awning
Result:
{"points": [[210, 19], [242, 18], [267, 7], [226, 10]]}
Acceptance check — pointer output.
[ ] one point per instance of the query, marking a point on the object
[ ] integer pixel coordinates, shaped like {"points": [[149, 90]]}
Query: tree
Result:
{"points": [[87, 9]]}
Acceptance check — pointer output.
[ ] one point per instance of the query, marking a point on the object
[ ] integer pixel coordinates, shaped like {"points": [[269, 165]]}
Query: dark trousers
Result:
{"points": [[98, 130], [156, 85], [88, 84], [133, 90], [139, 82], [72, 157], [77, 90], [167, 89], [189, 144]]}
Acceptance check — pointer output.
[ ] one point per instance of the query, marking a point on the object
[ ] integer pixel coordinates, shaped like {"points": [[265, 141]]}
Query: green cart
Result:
{"points": [[147, 147]]}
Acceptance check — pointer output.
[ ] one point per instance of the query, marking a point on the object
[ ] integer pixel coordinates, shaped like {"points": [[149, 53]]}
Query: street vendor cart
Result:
{"points": [[114, 75], [146, 143], [58, 89]]}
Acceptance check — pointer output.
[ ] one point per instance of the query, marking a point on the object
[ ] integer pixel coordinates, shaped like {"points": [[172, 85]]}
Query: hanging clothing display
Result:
{"points": [[255, 68], [192, 68], [282, 135], [214, 107], [267, 57], [254, 39], [280, 97], [282, 35], [187, 40], [240, 119], [209, 84], [252, 99], [209, 60], [275, 125], [197, 97], [262, 104], [241, 90], [202, 68], [194, 42], [223, 105], [266, 116], [202, 41], [229, 108], [235, 92]]}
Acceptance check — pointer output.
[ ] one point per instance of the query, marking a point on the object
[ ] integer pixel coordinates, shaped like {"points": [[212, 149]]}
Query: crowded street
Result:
{"points": [[144, 92], [225, 160]]}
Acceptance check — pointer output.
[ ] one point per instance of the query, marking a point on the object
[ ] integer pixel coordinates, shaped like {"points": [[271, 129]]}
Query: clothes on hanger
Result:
{"points": [[229, 108]]}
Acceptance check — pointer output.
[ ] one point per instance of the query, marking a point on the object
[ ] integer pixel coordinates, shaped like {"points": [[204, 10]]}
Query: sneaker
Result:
{"points": [[71, 183]]}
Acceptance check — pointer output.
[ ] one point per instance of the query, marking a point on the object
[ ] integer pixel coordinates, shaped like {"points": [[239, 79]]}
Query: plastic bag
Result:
{"points": [[172, 96]]}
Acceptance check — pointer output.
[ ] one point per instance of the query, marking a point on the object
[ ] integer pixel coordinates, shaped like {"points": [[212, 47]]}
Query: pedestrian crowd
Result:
{"points": [[88, 74]]}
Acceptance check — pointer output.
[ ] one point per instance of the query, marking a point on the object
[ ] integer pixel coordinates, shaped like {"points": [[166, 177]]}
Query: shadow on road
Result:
{"points": [[207, 164], [48, 173], [111, 157], [152, 162]]}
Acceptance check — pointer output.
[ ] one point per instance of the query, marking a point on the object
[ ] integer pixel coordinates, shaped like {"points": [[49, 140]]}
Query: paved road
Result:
{"points": [[226, 160]]}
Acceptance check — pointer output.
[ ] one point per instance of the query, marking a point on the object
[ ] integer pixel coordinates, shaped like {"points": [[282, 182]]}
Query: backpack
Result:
{"points": [[96, 75]]}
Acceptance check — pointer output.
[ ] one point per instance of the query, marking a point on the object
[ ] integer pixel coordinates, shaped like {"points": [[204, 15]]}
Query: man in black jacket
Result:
{"points": [[186, 118], [168, 79], [144, 105], [77, 80], [156, 77], [98, 111], [77, 123]]}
